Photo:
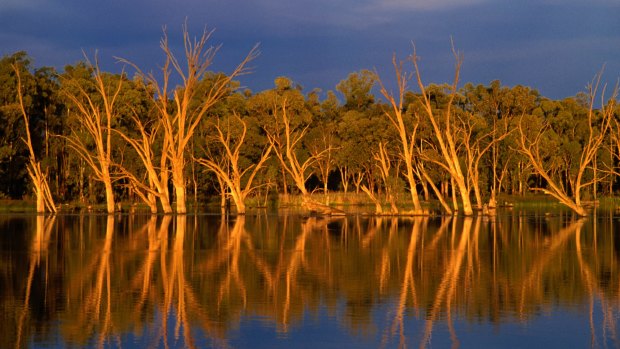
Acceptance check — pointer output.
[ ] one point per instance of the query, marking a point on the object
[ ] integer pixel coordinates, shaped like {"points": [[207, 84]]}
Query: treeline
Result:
{"points": [[186, 134]]}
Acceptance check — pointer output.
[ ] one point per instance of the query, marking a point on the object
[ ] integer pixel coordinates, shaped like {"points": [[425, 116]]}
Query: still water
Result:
{"points": [[522, 279]]}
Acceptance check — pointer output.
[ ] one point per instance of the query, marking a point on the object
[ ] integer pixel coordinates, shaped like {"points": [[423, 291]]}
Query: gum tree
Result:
{"points": [[534, 133], [228, 166], [44, 199], [180, 110], [93, 103]]}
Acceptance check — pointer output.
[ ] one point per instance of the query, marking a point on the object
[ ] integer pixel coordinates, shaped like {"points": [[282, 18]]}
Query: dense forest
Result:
{"points": [[185, 135]]}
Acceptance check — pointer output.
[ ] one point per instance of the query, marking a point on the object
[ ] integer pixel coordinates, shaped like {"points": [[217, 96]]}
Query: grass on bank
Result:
{"points": [[350, 201]]}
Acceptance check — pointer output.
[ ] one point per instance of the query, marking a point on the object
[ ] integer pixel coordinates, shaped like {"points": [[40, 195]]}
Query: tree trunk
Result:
{"points": [[467, 207], [40, 199], [152, 202], [179, 190], [109, 197], [455, 205], [239, 200]]}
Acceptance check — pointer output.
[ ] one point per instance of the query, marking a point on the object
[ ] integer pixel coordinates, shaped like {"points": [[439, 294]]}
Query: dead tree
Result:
{"points": [[157, 173], [285, 140], [599, 124], [237, 179], [406, 133], [181, 114], [444, 131], [95, 118], [45, 201], [383, 163], [476, 147]]}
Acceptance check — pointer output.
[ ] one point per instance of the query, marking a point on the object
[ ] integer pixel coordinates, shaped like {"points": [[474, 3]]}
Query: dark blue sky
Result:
{"points": [[555, 46]]}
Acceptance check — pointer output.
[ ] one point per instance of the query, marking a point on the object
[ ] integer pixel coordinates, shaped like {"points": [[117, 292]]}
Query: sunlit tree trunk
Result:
{"points": [[344, 178], [421, 171]]}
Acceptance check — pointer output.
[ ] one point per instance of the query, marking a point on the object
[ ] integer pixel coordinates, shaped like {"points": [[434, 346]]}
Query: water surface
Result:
{"points": [[520, 279]]}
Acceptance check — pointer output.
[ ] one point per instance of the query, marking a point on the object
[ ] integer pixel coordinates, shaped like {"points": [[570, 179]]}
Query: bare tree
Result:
{"points": [[285, 140], [476, 146], [444, 132], [599, 124], [157, 173], [45, 201], [237, 178], [384, 164], [180, 115], [94, 113], [406, 133], [325, 163]]}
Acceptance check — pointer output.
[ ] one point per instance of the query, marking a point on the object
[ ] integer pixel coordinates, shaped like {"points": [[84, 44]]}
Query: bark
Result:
{"points": [[436, 190], [178, 181], [374, 199]]}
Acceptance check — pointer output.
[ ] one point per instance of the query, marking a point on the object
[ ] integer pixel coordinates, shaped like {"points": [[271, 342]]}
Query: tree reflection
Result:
{"points": [[178, 284], [38, 248]]}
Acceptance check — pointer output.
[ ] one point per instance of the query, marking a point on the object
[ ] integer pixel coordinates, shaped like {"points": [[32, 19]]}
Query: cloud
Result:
{"points": [[18, 4], [421, 5]]}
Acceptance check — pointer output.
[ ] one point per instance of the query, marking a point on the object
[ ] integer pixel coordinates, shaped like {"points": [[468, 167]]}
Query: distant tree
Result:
{"points": [[13, 153], [267, 108], [356, 89], [286, 138]]}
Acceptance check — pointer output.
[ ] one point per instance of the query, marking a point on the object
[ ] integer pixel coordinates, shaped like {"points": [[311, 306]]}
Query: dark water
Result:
{"points": [[522, 279]]}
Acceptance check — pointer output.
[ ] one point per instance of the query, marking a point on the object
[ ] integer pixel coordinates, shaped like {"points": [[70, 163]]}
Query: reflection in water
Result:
{"points": [[157, 281], [40, 242]]}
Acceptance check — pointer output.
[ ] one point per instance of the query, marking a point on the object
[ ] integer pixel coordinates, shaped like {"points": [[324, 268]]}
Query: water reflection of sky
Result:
{"points": [[557, 328]]}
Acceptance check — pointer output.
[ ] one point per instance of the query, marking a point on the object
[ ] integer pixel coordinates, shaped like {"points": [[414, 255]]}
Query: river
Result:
{"points": [[525, 278]]}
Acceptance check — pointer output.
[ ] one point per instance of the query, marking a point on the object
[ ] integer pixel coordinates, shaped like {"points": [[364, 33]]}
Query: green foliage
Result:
{"points": [[350, 129]]}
